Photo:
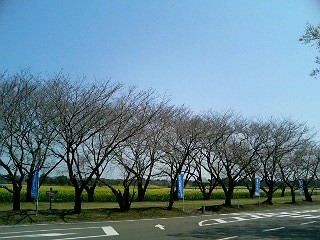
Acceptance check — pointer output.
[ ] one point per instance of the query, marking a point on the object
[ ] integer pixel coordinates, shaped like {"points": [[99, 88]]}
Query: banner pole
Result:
{"points": [[183, 204], [35, 187], [37, 205]]}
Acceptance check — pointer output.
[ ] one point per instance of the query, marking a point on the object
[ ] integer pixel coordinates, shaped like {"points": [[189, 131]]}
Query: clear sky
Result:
{"points": [[219, 55]]}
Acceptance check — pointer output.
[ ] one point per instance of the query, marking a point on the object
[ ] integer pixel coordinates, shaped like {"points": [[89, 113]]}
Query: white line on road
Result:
{"points": [[239, 219], [109, 231], [48, 230], [308, 223], [85, 237], [313, 217], [273, 229], [301, 216], [38, 235], [228, 238]]}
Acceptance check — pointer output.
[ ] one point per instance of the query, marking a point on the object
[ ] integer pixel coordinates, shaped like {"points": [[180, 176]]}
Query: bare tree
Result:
{"points": [[232, 154], [309, 168], [77, 113], [290, 169], [282, 137], [312, 35], [213, 126], [256, 137], [145, 150], [130, 147], [25, 137], [179, 143]]}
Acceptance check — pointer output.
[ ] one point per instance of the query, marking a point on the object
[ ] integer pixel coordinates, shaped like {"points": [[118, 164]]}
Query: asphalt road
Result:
{"points": [[300, 223]]}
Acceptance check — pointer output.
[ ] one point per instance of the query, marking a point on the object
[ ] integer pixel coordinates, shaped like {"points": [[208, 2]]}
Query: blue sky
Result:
{"points": [[240, 55]]}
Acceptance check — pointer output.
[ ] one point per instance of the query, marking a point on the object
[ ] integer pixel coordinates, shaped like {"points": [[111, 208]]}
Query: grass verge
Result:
{"points": [[92, 212]]}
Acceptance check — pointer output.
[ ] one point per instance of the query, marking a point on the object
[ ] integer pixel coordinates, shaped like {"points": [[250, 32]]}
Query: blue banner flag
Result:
{"points": [[257, 193], [180, 186], [35, 183], [301, 187]]}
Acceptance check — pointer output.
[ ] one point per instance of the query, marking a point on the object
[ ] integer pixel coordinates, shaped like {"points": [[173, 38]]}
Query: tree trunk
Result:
{"points": [[29, 187], [228, 194], [16, 197], [127, 199], [207, 195], [283, 189], [171, 198], [307, 195], [141, 192], [269, 195], [175, 192], [90, 192], [251, 186], [124, 200], [77, 201], [252, 190], [293, 194]]}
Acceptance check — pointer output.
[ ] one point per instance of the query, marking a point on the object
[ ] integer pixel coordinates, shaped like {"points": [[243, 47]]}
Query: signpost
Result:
{"points": [[181, 188], [257, 193], [35, 187]]}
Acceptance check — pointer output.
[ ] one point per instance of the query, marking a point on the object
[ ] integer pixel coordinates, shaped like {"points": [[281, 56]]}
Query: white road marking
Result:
{"points": [[159, 226], [313, 217], [85, 237], [217, 221], [228, 238], [254, 216], [247, 216], [239, 219], [268, 214], [301, 216], [273, 229], [48, 230], [297, 212], [38, 235], [225, 214], [220, 220], [109, 231], [308, 223]]}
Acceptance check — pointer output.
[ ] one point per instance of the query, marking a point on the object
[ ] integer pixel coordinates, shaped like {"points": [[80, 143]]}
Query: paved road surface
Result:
{"points": [[300, 223]]}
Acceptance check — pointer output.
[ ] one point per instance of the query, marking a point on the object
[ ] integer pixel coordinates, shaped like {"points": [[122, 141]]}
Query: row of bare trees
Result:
{"points": [[92, 129]]}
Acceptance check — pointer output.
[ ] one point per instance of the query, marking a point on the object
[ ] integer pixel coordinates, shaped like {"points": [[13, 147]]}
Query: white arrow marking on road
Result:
{"points": [[159, 226], [109, 231]]}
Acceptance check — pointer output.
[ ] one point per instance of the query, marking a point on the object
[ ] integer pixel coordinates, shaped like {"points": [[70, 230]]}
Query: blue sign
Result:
{"points": [[257, 193], [180, 186], [35, 183], [301, 187]]}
